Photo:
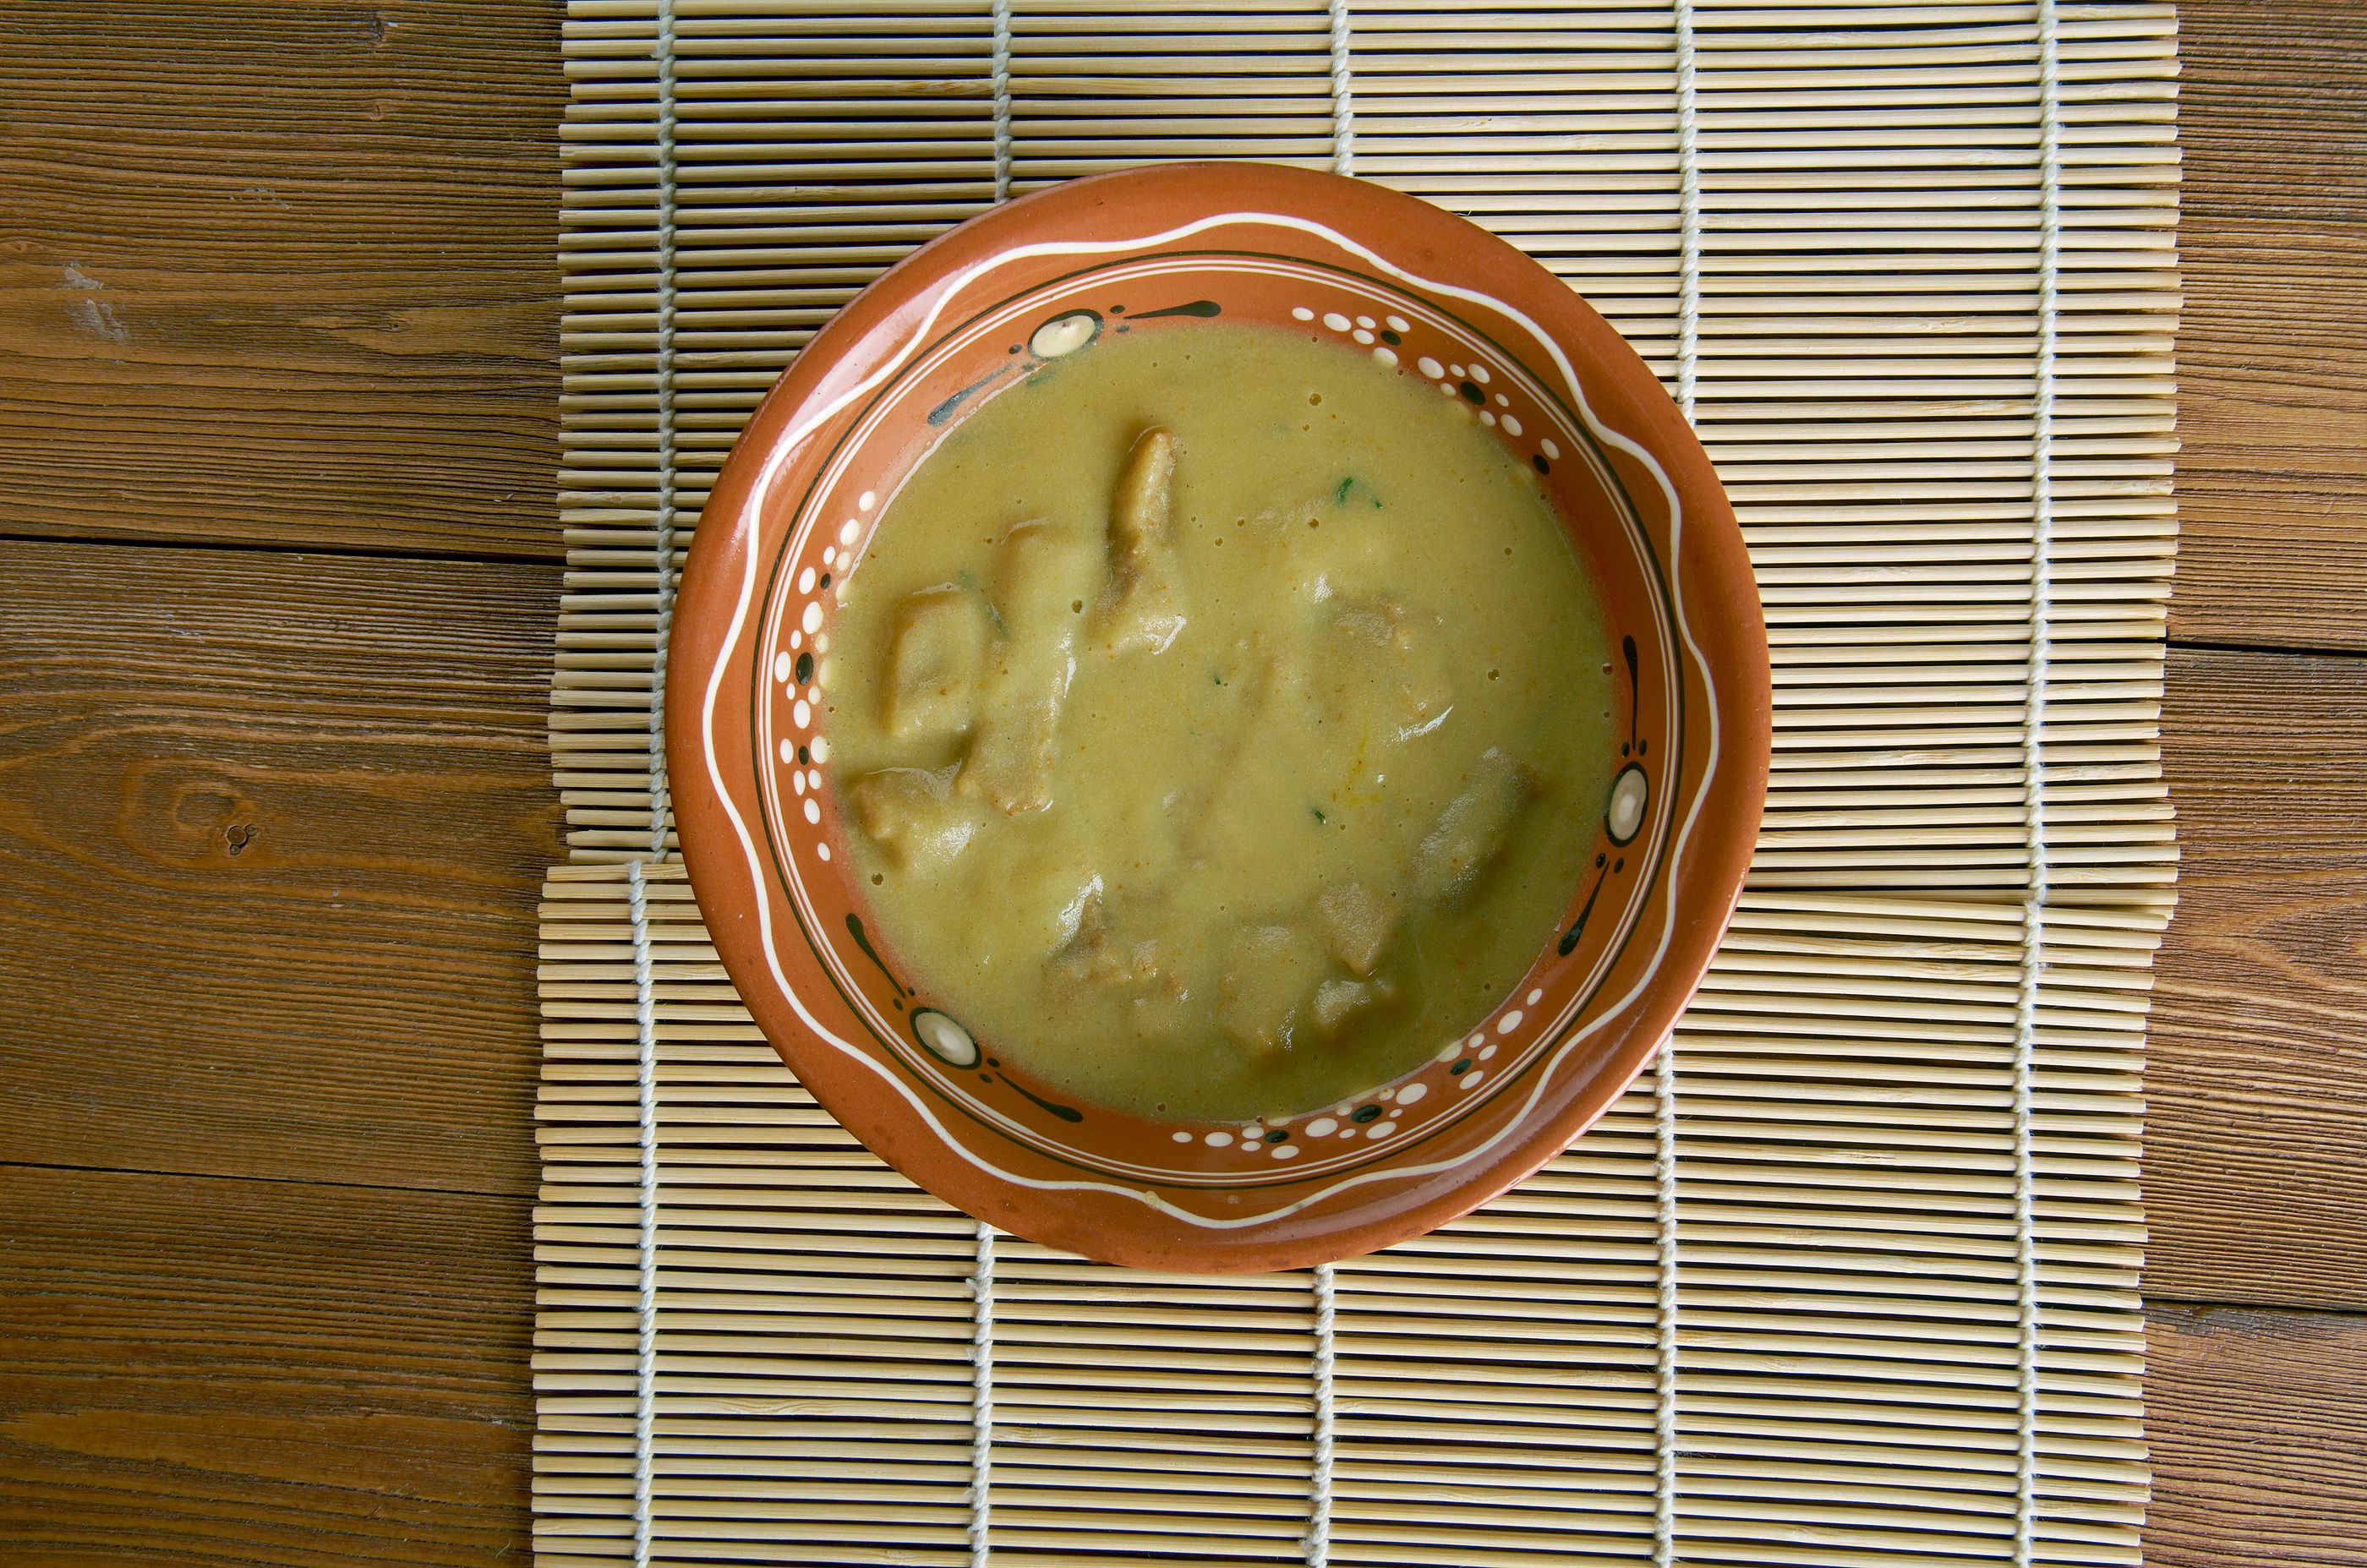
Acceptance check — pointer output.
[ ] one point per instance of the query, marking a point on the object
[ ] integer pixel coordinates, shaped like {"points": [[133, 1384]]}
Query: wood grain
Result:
{"points": [[2260, 1455], [2272, 482], [282, 274], [271, 827], [2256, 1186], [201, 1371]]}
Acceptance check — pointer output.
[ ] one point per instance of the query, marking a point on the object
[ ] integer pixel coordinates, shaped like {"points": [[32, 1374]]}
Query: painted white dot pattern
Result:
{"points": [[1628, 793], [945, 1037]]}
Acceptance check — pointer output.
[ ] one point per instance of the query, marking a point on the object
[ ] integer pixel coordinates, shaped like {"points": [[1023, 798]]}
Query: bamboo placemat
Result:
{"points": [[1850, 1279]]}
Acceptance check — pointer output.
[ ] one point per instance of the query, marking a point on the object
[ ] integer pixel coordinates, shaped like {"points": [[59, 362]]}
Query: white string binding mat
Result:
{"points": [[645, 1313], [1344, 90], [645, 1389], [1324, 1285], [981, 1453], [661, 551], [981, 1282], [644, 983], [1000, 84], [2033, 963], [1664, 1070], [1898, 1327]]}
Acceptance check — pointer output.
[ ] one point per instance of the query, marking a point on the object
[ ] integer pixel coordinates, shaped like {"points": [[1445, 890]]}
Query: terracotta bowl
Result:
{"points": [[1165, 250]]}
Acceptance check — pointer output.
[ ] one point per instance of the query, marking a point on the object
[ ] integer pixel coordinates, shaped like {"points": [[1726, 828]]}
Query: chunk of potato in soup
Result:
{"points": [[1222, 721]]}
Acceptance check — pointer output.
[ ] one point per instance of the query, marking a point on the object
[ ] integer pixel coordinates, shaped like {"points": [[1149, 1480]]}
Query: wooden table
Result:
{"points": [[279, 566]]}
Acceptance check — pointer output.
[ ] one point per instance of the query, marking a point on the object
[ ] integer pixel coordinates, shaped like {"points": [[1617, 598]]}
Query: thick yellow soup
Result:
{"points": [[1222, 719]]}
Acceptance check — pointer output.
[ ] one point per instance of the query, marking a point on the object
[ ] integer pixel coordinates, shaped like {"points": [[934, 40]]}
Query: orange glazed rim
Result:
{"points": [[1163, 249]]}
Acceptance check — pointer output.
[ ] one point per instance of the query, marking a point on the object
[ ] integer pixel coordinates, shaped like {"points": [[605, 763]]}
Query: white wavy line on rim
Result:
{"points": [[796, 437], [772, 807]]}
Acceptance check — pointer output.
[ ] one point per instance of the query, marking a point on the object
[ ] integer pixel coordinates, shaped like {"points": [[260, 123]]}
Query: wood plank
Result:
{"points": [[2258, 1078], [2260, 1455], [295, 1373], [282, 274], [200, 317], [211, 1010], [271, 829], [194, 1369], [2272, 483]]}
